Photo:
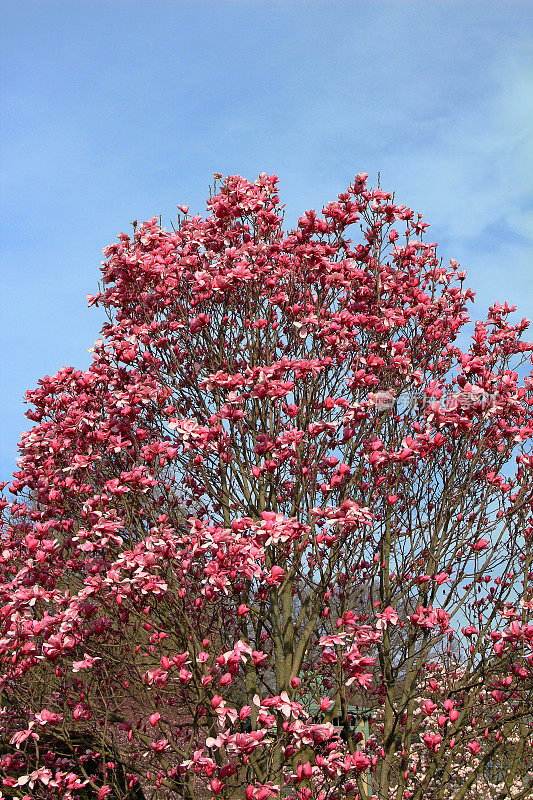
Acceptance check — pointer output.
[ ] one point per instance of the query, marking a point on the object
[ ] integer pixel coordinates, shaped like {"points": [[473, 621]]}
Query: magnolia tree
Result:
{"points": [[276, 542]]}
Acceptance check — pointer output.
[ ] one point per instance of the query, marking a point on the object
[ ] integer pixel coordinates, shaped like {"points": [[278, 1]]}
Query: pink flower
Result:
{"points": [[87, 663], [216, 785], [325, 703], [44, 717], [160, 745], [20, 736], [429, 707], [389, 616], [432, 741], [360, 762], [481, 544]]}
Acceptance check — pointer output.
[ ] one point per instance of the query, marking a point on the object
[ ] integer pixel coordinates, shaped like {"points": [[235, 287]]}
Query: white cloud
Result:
{"points": [[478, 170]]}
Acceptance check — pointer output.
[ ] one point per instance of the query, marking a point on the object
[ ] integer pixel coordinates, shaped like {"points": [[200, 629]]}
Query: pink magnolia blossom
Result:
{"points": [[229, 527]]}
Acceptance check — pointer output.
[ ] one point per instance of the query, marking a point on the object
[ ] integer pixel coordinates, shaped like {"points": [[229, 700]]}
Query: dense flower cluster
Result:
{"points": [[225, 556]]}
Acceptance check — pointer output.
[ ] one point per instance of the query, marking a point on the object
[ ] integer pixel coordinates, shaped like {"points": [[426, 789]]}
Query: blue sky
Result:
{"points": [[119, 110]]}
